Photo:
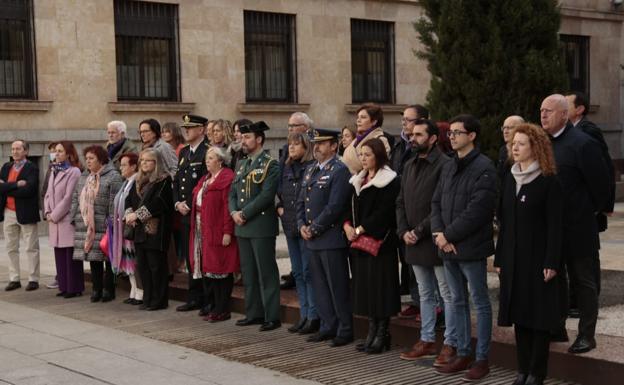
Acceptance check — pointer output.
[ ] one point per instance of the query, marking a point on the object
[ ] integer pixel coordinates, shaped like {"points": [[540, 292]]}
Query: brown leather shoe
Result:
{"points": [[446, 354], [477, 371], [455, 365], [420, 350]]}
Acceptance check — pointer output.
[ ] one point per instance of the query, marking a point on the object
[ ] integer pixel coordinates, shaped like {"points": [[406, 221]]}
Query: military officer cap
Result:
{"points": [[321, 135], [257, 127], [193, 120]]}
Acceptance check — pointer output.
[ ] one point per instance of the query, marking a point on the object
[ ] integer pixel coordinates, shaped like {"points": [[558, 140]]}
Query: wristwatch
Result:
{"points": [[358, 230]]}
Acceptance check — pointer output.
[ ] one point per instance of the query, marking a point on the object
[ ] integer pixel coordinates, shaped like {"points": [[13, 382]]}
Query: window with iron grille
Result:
{"points": [[372, 61], [146, 44], [576, 53], [270, 57], [17, 67]]}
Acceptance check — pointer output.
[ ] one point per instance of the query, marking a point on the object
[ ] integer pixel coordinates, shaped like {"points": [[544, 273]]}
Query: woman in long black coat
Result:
{"points": [[528, 251], [149, 212], [375, 278]]}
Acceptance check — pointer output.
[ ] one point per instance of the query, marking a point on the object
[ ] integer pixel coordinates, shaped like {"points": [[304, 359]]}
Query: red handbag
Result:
{"points": [[367, 244]]}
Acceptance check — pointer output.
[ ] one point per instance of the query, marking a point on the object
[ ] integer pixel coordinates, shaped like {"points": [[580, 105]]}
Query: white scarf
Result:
{"points": [[527, 176]]}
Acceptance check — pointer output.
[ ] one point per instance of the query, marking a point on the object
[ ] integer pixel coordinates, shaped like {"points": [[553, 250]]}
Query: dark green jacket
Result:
{"points": [[253, 192]]}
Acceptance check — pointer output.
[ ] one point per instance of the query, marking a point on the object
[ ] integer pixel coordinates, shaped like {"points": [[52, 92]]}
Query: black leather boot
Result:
{"points": [[532, 380], [96, 296], [382, 338], [372, 331]]}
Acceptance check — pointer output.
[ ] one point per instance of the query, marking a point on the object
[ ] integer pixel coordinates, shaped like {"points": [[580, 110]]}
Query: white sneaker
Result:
{"points": [[52, 285]]}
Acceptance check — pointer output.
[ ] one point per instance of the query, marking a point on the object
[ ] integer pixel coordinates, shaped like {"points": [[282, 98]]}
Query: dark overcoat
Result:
{"points": [[585, 181], [26, 197], [154, 212], [288, 193], [529, 241], [376, 278], [413, 206]]}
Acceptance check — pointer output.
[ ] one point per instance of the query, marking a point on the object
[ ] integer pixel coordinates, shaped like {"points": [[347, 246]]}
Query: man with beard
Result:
{"points": [[419, 179], [252, 206]]}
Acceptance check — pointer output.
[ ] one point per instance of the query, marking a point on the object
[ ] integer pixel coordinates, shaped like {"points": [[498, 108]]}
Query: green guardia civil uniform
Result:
{"points": [[253, 192]]}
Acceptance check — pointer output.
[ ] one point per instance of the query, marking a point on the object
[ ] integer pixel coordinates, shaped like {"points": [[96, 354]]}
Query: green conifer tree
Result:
{"points": [[491, 59]]}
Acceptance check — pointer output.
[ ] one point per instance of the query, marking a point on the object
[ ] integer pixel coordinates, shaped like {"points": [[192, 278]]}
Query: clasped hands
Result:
{"points": [[443, 244]]}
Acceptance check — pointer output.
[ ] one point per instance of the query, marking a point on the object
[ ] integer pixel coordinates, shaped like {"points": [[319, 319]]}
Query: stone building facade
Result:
{"points": [[76, 80]]}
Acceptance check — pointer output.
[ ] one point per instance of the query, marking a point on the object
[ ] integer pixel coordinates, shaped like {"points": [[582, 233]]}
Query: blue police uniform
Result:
{"points": [[321, 205]]}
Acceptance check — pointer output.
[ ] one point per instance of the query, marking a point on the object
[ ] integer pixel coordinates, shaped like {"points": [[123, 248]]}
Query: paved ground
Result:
{"points": [[49, 340]]}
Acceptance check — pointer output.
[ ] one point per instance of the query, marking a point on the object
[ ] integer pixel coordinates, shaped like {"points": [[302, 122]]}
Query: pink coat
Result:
{"points": [[57, 204]]}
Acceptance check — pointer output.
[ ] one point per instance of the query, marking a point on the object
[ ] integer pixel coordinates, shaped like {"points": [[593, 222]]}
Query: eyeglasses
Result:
{"points": [[451, 134], [503, 128], [406, 120], [295, 125]]}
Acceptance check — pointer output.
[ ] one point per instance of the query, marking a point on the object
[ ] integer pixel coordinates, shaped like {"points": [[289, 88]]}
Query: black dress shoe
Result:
{"points": [[96, 296], [248, 322], [340, 341], [72, 295], [289, 282], [320, 337], [32, 285], [128, 301], [188, 306], [143, 306], [296, 327], [136, 302], [271, 325], [60, 294], [12, 286], [582, 344], [312, 326], [107, 297], [559, 336], [531, 380], [520, 379]]}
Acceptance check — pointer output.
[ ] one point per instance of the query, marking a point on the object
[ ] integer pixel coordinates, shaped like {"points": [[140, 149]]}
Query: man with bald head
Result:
{"points": [[504, 165], [585, 181]]}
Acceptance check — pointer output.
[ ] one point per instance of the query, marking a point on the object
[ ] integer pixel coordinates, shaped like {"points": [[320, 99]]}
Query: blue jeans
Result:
{"points": [[429, 279], [460, 276], [300, 265]]}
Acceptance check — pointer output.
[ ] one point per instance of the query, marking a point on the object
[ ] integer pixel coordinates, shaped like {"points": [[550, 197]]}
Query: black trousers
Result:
{"points": [[585, 281], [532, 349], [220, 290], [102, 279], [152, 267], [195, 291], [330, 280]]}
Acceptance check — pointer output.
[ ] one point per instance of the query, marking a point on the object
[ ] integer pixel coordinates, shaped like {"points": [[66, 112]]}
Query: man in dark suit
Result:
{"points": [[325, 193], [585, 181], [191, 167], [19, 210], [252, 207]]}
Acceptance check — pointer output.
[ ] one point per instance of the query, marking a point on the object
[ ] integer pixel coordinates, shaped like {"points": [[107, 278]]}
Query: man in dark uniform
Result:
{"points": [[325, 193], [252, 206], [191, 167]]}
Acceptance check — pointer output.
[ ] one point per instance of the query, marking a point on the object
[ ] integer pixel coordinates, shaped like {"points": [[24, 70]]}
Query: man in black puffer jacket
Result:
{"points": [[462, 211]]}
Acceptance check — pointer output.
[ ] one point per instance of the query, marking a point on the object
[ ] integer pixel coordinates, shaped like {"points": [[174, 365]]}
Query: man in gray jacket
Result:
{"points": [[462, 211]]}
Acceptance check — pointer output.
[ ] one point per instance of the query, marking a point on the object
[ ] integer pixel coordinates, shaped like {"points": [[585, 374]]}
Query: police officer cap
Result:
{"points": [[193, 120], [321, 135], [256, 127]]}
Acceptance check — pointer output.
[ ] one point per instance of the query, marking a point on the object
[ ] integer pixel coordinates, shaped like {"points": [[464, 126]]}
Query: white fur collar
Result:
{"points": [[382, 178]]}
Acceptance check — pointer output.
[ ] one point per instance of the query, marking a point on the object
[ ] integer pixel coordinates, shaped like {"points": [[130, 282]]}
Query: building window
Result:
{"points": [[17, 68], [146, 44], [576, 53], [270, 57], [372, 61]]}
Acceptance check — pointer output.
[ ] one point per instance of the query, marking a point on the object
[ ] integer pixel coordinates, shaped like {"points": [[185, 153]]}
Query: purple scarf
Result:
{"points": [[359, 137]]}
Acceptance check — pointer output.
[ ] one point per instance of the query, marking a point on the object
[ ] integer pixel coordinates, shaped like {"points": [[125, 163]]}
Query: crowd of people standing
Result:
{"points": [[354, 205]]}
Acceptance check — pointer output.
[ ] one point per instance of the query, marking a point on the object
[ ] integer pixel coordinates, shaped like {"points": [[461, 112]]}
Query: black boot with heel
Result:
{"points": [[372, 332], [382, 338]]}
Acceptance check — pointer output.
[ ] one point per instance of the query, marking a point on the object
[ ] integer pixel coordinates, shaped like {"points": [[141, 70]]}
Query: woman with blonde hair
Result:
{"points": [[148, 211], [528, 251], [300, 155]]}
